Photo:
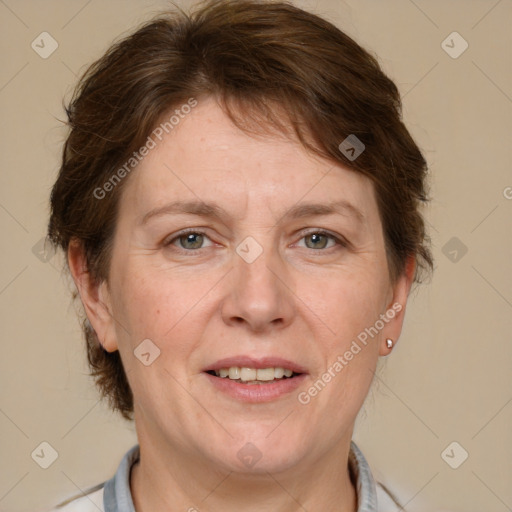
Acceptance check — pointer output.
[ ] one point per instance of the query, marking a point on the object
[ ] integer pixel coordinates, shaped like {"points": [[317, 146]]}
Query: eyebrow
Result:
{"points": [[212, 210], [340, 207]]}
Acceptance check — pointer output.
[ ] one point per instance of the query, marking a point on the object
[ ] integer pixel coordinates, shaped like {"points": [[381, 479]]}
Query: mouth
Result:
{"points": [[255, 380], [251, 376]]}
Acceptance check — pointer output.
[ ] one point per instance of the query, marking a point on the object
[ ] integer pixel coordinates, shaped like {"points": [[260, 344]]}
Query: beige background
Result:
{"points": [[449, 378]]}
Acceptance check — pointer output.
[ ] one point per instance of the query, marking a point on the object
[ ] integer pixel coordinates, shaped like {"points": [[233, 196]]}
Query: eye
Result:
{"points": [[195, 240], [191, 240], [320, 240]]}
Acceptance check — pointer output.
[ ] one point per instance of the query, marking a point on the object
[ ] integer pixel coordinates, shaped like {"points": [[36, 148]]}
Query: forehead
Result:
{"points": [[206, 157]]}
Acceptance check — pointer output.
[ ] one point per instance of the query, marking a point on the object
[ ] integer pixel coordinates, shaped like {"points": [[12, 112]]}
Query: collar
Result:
{"points": [[117, 496]]}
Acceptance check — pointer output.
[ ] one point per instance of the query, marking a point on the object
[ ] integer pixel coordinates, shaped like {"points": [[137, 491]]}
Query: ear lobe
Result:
{"points": [[94, 296], [396, 308]]}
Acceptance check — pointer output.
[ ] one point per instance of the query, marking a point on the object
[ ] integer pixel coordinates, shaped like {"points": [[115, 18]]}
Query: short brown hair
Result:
{"points": [[266, 62]]}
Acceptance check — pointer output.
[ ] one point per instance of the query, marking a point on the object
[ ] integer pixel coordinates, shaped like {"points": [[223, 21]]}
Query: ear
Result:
{"points": [[95, 297], [396, 307]]}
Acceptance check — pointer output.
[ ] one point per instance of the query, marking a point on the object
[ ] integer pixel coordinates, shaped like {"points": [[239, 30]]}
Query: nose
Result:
{"points": [[258, 297]]}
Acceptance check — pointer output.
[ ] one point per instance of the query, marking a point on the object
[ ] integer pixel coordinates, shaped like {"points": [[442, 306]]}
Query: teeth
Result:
{"points": [[246, 374], [278, 373], [234, 373], [265, 374], [252, 374]]}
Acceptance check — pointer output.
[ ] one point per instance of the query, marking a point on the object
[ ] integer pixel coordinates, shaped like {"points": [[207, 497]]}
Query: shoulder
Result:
{"points": [[90, 501], [372, 496], [115, 492], [387, 502]]}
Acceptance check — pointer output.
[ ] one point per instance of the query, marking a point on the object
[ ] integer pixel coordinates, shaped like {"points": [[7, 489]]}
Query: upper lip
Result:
{"points": [[256, 362]]}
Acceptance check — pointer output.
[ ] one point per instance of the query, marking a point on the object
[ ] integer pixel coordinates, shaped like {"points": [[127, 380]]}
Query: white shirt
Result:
{"points": [[115, 495]]}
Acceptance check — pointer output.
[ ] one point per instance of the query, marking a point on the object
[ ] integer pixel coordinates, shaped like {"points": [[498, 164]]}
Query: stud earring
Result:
{"points": [[389, 343]]}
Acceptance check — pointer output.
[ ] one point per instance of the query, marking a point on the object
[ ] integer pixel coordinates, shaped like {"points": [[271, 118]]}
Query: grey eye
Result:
{"points": [[316, 241], [191, 240]]}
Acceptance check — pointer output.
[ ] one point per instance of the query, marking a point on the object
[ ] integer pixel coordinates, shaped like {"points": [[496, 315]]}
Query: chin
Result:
{"points": [[262, 453]]}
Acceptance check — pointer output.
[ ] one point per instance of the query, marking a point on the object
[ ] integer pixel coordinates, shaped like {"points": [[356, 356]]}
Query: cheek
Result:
{"points": [[345, 304], [161, 305], [152, 306], [143, 305]]}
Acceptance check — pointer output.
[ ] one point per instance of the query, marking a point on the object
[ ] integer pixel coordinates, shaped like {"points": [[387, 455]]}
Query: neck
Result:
{"points": [[171, 479]]}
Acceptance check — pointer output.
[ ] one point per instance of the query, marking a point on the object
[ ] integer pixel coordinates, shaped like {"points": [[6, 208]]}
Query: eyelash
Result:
{"points": [[340, 242]]}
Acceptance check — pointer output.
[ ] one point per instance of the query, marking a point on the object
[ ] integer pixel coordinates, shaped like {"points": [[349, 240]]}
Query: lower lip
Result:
{"points": [[265, 392]]}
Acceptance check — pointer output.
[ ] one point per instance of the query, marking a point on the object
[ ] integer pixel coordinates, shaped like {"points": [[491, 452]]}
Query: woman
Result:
{"points": [[239, 204]]}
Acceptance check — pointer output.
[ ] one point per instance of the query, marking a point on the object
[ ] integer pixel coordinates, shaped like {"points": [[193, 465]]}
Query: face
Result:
{"points": [[233, 254]]}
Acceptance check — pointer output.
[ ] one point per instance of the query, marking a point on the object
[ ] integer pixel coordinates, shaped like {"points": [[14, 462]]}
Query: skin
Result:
{"points": [[300, 299]]}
